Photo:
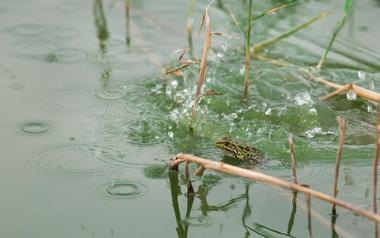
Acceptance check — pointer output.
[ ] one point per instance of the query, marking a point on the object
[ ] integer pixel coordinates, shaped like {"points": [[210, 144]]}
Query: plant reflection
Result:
{"points": [[103, 35]]}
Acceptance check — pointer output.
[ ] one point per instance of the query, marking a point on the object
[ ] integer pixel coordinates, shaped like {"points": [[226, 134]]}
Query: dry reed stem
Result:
{"points": [[260, 177], [342, 134], [293, 158], [374, 167], [203, 65]]}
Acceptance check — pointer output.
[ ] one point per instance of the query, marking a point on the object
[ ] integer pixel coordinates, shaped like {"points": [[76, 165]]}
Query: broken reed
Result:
{"points": [[247, 62], [346, 10], [293, 158]]}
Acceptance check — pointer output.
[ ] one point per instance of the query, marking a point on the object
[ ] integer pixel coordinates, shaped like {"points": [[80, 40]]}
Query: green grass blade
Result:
{"points": [[272, 10], [265, 44], [346, 10]]}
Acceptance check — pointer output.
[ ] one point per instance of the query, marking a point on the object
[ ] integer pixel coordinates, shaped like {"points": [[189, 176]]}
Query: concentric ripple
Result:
{"points": [[34, 50], [71, 159], [34, 127], [28, 30], [65, 55], [112, 93], [125, 189], [72, 99]]}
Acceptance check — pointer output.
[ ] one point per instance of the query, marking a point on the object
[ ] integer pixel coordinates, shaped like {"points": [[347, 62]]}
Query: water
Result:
{"points": [[88, 123]]}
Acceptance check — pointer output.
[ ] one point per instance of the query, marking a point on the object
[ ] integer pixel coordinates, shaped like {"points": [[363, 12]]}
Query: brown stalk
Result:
{"points": [[374, 167], [293, 158], [260, 177], [342, 130], [203, 65]]}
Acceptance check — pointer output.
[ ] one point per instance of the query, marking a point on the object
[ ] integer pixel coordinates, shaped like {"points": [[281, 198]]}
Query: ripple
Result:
{"points": [[71, 159], [125, 189], [199, 221], [112, 93], [33, 49], [72, 99], [60, 33], [69, 7], [65, 56], [34, 127], [28, 30], [145, 131], [155, 171]]}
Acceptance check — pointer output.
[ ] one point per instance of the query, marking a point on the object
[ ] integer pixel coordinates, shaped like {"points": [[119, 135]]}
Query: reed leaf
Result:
{"points": [[346, 10]]}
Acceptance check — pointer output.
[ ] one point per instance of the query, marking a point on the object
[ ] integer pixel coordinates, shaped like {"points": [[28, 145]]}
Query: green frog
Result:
{"points": [[238, 149]]}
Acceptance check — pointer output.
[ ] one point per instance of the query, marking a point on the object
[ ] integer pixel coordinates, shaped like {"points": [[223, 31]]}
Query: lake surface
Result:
{"points": [[88, 123]]}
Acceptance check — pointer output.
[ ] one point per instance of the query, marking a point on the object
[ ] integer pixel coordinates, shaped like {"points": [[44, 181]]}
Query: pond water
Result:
{"points": [[88, 123]]}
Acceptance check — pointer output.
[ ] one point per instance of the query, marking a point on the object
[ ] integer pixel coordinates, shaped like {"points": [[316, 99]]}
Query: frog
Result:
{"points": [[238, 150]]}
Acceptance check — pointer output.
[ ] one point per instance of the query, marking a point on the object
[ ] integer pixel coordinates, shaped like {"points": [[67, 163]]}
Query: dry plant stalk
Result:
{"points": [[267, 179], [342, 134], [203, 65], [293, 158], [374, 167]]}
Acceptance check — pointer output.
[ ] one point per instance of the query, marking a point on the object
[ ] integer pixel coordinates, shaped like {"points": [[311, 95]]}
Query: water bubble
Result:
{"points": [[361, 75], [351, 95], [370, 109], [125, 189], [371, 85], [303, 98], [268, 111], [219, 54], [34, 128], [313, 111], [170, 134], [242, 69], [224, 47], [174, 84]]}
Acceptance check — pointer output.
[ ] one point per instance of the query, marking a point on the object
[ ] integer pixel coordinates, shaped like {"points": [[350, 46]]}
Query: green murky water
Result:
{"points": [[88, 122]]}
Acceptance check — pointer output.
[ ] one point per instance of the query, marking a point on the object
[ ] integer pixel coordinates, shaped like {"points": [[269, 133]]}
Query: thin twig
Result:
{"points": [[342, 133], [260, 177]]}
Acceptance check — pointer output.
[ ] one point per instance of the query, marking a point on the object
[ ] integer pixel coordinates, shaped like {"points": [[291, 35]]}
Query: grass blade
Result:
{"points": [[346, 10]]}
